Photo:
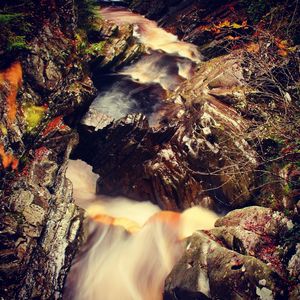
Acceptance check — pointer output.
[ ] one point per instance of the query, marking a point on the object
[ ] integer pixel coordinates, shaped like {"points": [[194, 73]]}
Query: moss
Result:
{"points": [[33, 115], [17, 42], [81, 41], [95, 49], [8, 18]]}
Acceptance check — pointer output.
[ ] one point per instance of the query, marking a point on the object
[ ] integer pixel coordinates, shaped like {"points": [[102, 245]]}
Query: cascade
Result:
{"points": [[132, 246], [165, 65]]}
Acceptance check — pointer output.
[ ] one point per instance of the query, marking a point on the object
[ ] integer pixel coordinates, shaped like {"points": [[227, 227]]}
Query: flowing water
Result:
{"points": [[132, 246], [151, 35], [141, 86]]}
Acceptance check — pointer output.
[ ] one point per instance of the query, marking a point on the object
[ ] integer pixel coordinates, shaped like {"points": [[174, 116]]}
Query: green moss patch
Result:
{"points": [[33, 115]]}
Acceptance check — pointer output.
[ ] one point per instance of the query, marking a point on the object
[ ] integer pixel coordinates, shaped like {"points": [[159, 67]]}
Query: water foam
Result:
{"points": [[132, 246]]}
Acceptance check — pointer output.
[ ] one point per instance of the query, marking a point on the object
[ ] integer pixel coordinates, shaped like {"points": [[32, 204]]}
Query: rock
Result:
{"points": [[263, 221], [40, 224], [202, 158], [294, 264], [255, 231], [211, 271], [41, 228], [122, 142], [119, 48], [152, 9], [229, 262]]}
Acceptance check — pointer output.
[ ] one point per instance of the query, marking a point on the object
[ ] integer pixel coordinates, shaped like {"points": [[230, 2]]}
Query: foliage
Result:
{"points": [[256, 9], [271, 71], [7, 18], [87, 14], [16, 27], [8, 159], [12, 77], [16, 42], [95, 49], [9, 38]]}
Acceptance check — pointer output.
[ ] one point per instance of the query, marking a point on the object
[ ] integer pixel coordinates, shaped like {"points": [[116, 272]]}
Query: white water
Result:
{"points": [[151, 35], [168, 71], [132, 246], [168, 63], [115, 102]]}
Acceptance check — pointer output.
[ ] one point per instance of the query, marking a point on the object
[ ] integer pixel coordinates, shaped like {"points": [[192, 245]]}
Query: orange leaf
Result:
{"points": [[232, 38], [15, 164], [13, 76], [8, 159], [282, 52], [12, 104], [253, 48]]}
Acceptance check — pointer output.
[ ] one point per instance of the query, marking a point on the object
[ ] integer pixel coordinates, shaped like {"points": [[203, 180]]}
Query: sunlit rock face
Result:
{"points": [[40, 224]]}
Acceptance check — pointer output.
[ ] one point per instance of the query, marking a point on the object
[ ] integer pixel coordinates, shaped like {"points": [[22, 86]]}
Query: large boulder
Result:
{"points": [[239, 259]]}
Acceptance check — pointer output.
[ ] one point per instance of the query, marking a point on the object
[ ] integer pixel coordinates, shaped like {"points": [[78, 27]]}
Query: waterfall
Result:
{"points": [[132, 246], [165, 65]]}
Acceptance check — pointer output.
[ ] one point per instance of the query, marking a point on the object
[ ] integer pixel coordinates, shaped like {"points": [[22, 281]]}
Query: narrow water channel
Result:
{"points": [[132, 246]]}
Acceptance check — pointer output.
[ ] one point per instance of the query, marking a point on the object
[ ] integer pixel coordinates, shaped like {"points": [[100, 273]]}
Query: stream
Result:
{"points": [[132, 246]]}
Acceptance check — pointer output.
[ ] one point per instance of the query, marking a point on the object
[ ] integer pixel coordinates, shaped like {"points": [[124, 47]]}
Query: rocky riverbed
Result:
{"points": [[199, 109]]}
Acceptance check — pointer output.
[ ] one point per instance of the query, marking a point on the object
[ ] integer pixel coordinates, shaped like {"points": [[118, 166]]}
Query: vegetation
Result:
{"points": [[256, 9], [33, 115], [87, 14], [17, 27], [11, 38], [95, 48]]}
